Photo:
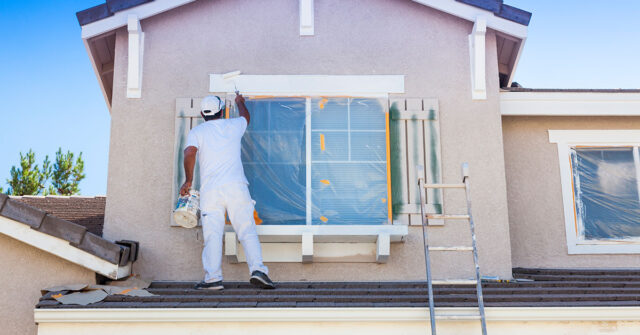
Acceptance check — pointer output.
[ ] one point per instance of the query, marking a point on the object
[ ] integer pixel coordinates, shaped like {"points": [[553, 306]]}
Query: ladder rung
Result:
{"points": [[448, 216], [444, 186], [452, 248], [454, 282]]}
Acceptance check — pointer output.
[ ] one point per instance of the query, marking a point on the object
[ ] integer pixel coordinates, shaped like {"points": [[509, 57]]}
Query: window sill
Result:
{"points": [[604, 247], [320, 243]]}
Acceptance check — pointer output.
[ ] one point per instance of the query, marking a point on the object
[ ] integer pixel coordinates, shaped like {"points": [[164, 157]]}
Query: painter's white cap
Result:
{"points": [[211, 104]]}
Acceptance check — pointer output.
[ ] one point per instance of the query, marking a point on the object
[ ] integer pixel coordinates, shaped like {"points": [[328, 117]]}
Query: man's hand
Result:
{"points": [[239, 99], [184, 190]]}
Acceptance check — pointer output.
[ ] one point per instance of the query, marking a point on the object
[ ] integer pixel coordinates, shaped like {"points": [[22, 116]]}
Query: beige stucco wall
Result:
{"points": [[537, 227], [184, 45], [25, 271]]}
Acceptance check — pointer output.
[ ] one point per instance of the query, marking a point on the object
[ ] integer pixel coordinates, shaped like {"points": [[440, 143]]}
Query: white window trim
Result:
{"points": [[565, 139], [309, 85]]}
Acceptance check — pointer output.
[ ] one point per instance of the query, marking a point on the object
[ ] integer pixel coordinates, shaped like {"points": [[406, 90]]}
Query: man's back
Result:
{"points": [[219, 146]]}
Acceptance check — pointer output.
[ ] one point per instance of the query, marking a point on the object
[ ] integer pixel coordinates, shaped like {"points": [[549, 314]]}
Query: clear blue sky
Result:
{"points": [[50, 98]]}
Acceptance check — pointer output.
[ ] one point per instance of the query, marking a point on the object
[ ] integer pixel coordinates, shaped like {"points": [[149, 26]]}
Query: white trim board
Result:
{"points": [[565, 139], [309, 85], [382, 314], [61, 248], [570, 103], [119, 19], [470, 13]]}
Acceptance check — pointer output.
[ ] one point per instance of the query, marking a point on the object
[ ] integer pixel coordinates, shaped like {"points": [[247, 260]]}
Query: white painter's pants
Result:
{"points": [[236, 200]]}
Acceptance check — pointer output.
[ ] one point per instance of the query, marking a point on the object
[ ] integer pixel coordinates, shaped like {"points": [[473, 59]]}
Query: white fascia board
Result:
{"points": [[305, 85], [516, 61], [61, 248], [570, 103], [120, 19], [470, 13], [268, 315]]}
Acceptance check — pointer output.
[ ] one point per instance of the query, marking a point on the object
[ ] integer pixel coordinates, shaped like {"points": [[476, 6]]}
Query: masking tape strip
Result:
{"points": [[322, 142]]}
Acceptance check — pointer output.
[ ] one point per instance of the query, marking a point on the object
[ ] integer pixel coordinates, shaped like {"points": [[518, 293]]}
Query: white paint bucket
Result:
{"points": [[187, 208]]}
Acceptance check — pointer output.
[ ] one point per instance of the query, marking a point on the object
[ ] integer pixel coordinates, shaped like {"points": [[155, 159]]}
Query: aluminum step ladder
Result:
{"points": [[473, 248]]}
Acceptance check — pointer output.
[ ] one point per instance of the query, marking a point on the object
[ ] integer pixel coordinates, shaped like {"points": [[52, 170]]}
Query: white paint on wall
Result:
{"points": [[566, 139], [306, 85], [570, 103]]}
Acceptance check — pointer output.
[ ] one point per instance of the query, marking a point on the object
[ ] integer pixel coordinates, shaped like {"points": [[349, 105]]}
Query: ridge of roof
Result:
{"points": [[110, 7]]}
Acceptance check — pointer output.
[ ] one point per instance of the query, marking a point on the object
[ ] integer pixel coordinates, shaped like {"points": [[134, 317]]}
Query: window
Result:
{"points": [[317, 161], [600, 176]]}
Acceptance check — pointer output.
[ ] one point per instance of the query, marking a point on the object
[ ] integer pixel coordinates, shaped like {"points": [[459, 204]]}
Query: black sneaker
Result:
{"points": [[260, 279], [203, 285]]}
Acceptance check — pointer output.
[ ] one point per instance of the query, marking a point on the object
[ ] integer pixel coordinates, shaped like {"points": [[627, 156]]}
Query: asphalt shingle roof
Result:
{"points": [[548, 288], [85, 211], [111, 7]]}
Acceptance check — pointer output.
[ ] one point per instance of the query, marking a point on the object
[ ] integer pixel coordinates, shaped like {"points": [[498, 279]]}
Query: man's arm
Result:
{"points": [[189, 164], [244, 112]]}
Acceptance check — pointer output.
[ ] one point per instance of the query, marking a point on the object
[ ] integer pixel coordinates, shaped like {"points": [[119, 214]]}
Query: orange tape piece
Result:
{"points": [[56, 296], [256, 217], [384, 200], [324, 219], [322, 142], [322, 102], [126, 291], [324, 181]]}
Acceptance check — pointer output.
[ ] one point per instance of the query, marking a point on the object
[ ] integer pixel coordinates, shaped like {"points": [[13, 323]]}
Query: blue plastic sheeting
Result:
{"points": [[347, 164], [273, 156], [606, 193], [353, 164]]}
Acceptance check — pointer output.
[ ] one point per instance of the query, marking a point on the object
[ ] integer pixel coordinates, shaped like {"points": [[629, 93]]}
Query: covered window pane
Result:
{"points": [[606, 192], [273, 156], [348, 161]]}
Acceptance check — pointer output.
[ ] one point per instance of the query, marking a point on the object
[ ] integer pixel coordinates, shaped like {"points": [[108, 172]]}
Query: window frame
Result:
{"points": [[308, 135], [565, 140]]}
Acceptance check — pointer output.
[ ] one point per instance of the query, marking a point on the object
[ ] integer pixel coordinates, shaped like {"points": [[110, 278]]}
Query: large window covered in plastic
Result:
{"points": [[605, 184], [317, 160]]}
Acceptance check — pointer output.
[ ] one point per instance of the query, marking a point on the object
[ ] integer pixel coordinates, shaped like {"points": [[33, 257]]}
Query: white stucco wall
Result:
{"points": [[184, 45]]}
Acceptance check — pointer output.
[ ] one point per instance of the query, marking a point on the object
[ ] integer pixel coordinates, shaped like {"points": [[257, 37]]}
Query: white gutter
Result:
{"points": [[164, 315]]}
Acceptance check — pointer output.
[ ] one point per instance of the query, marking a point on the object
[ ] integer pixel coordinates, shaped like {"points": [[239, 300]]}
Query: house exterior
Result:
{"points": [[348, 99]]}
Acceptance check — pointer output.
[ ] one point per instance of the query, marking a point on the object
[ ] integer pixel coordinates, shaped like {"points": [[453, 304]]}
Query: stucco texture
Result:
{"points": [[536, 217], [27, 270], [183, 46]]}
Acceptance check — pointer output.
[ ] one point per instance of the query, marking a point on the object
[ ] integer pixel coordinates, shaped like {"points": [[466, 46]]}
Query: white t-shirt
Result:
{"points": [[219, 146]]}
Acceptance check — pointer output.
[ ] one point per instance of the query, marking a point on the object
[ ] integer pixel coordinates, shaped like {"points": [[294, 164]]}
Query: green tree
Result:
{"points": [[67, 174], [29, 179]]}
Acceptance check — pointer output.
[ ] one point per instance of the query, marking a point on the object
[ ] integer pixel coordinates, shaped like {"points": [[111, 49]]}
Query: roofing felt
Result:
{"points": [[77, 235], [539, 288], [111, 7], [85, 211]]}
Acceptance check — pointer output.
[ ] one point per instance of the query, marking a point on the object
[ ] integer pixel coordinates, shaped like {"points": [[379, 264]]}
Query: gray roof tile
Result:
{"points": [[63, 229], [550, 287], [23, 213]]}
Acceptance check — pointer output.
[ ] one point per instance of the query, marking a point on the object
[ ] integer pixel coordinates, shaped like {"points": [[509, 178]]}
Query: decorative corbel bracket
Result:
{"points": [[136, 48], [477, 53], [306, 18]]}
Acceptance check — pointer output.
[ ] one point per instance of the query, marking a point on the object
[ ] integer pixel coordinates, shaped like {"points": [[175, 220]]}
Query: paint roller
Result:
{"points": [[230, 75]]}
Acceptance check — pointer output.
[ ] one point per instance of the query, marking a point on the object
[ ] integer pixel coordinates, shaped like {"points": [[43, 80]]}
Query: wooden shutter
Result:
{"points": [[414, 140], [187, 117]]}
